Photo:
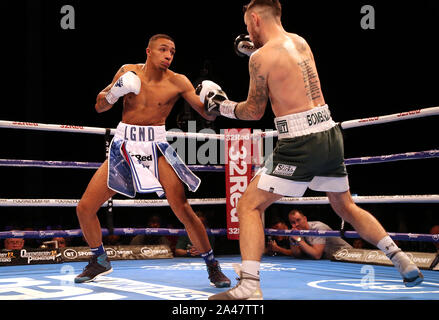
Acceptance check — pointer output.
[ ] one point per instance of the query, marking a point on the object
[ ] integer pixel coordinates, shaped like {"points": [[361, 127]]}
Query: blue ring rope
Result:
{"points": [[44, 234], [216, 168]]}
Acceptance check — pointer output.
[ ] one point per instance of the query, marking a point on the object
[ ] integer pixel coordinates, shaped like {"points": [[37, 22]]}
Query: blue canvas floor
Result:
{"points": [[282, 278]]}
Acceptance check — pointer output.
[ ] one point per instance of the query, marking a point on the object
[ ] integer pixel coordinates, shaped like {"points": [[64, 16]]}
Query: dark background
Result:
{"points": [[51, 75]]}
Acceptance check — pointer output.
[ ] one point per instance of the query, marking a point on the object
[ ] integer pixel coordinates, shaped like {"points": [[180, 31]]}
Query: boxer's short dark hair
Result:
{"points": [[159, 36], [273, 4]]}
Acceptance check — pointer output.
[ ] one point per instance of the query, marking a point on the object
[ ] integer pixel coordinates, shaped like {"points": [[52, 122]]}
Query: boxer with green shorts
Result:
{"points": [[309, 153]]}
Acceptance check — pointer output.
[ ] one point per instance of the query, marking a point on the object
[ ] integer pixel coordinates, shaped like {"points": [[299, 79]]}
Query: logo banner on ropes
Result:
{"points": [[423, 260], [29, 256], [238, 153]]}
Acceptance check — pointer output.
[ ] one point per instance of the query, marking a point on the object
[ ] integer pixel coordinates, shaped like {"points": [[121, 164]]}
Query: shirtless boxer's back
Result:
{"points": [[291, 75], [309, 152], [140, 158]]}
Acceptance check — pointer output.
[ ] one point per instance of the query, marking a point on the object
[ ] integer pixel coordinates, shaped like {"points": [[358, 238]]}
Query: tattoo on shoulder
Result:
{"points": [[301, 45]]}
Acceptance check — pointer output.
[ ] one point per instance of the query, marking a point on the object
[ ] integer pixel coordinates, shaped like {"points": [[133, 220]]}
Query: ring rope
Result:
{"points": [[428, 198], [394, 157], [214, 168], [192, 135], [88, 165], [173, 134], [433, 111], [43, 234], [426, 112]]}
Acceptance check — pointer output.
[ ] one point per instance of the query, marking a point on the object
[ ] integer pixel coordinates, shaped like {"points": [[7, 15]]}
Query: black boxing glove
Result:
{"points": [[243, 46], [215, 100]]}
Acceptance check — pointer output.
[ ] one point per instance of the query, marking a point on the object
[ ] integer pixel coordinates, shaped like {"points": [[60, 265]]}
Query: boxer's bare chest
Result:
{"points": [[153, 103]]}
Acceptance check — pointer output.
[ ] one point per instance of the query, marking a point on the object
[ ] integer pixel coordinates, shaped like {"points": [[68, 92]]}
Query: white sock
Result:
{"points": [[387, 245], [252, 267]]}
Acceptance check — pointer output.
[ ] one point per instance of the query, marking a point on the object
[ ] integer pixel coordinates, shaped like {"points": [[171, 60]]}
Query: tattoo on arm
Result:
{"points": [[254, 107], [310, 79], [101, 102]]}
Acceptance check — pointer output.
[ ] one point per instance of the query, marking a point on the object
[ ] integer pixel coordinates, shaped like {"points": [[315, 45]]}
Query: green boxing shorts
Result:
{"points": [[309, 154]]}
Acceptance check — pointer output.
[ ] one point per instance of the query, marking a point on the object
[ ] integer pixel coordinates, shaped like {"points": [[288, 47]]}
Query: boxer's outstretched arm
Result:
{"points": [[254, 107], [193, 99]]}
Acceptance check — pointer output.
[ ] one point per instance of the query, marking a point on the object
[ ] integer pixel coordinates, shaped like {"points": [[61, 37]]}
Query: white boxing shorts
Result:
{"points": [[133, 161]]}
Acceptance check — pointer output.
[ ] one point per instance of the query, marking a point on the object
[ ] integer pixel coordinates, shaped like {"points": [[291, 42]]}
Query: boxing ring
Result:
{"points": [[181, 278]]}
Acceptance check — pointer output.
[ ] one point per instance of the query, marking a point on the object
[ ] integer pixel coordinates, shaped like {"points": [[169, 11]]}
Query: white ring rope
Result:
{"points": [[192, 135], [96, 130], [433, 111], [426, 112], [428, 198]]}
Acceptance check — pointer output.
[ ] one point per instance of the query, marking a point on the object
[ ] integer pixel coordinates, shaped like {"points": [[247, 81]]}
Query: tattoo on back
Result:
{"points": [[310, 79]]}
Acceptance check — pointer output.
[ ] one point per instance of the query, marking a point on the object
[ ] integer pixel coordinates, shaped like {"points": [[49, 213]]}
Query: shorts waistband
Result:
{"points": [[131, 132], [316, 120]]}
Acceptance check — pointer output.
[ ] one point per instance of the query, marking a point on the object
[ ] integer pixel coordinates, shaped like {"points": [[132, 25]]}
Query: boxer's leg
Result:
{"points": [[176, 197], [372, 231], [94, 196], [252, 204], [364, 223]]}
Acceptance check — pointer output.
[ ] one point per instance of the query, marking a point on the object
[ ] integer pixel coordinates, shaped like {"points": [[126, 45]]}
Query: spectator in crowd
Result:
{"points": [[62, 242], [14, 243], [435, 230], [140, 239], [184, 247], [312, 247], [56, 242], [278, 244]]}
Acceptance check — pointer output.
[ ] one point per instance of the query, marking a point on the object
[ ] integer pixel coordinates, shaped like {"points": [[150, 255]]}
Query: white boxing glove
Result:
{"points": [[128, 82], [215, 100], [205, 87]]}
